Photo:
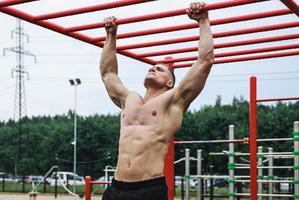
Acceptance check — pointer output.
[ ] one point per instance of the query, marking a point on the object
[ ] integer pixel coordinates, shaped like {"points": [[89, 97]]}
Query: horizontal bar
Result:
{"points": [[273, 153], [245, 58], [292, 5], [266, 167], [195, 25], [274, 139], [100, 182], [210, 176], [265, 195], [234, 53], [161, 15], [210, 141], [14, 2], [83, 10], [268, 181], [258, 57], [223, 45], [216, 35], [278, 99], [57, 28]]}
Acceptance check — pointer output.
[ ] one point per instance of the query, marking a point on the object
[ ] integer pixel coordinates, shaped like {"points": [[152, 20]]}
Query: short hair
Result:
{"points": [[169, 66]]}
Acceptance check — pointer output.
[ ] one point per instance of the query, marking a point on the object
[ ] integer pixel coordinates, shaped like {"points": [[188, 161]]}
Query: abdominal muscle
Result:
{"points": [[142, 152]]}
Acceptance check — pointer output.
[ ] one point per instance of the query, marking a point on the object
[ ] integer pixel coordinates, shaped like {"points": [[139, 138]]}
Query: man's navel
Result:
{"points": [[128, 164]]}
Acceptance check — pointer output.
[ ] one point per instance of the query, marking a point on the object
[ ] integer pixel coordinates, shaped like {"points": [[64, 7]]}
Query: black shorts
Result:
{"points": [[152, 189]]}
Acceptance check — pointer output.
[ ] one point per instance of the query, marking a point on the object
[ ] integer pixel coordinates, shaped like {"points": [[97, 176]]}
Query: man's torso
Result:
{"points": [[146, 128]]}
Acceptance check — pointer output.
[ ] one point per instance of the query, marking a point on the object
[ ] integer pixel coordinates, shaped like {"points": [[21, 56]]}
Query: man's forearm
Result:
{"points": [[206, 44], [108, 62]]}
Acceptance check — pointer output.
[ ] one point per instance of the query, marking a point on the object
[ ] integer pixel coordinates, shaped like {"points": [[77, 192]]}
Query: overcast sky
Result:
{"points": [[60, 58]]}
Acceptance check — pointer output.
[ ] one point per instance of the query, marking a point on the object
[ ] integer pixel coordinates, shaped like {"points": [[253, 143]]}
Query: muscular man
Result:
{"points": [[147, 123]]}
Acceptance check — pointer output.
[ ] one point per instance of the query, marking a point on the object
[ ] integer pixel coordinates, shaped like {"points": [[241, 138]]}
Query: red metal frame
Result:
{"points": [[215, 35], [211, 141], [132, 49], [292, 6], [88, 186], [169, 170], [252, 139], [195, 25], [253, 131]]}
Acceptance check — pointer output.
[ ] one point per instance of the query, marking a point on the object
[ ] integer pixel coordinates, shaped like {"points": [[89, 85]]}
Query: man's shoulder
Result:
{"points": [[134, 96]]}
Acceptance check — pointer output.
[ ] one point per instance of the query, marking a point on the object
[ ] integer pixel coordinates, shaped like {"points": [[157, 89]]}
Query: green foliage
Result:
{"points": [[46, 141]]}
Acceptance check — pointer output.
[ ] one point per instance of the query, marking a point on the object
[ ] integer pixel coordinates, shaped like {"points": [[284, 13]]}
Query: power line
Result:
{"points": [[20, 98]]}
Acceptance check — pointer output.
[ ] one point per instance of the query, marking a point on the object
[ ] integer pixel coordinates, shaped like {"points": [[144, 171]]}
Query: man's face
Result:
{"points": [[160, 75]]}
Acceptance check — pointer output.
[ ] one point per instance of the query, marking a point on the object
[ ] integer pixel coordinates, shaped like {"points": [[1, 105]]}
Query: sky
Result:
{"points": [[60, 58]]}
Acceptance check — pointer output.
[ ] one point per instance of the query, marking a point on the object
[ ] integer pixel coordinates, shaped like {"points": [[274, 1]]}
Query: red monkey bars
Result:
{"points": [[288, 7], [141, 50], [253, 132]]}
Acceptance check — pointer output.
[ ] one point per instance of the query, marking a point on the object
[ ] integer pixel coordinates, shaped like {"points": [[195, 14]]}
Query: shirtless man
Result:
{"points": [[148, 123]]}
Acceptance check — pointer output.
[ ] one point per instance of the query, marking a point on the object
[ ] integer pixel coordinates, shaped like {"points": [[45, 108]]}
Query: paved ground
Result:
{"points": [[40, 197], [43, 197], [4, 196]]}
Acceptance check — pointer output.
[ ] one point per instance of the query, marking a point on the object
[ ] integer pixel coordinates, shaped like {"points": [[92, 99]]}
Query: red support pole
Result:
{"points": [[83, 10], [169, 169], [223, 45], [216, 35], [253, 139], [245, 58], [292, 5], [88, 188]]}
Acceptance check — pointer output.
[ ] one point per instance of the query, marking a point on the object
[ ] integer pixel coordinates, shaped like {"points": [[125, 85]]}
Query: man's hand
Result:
{"points": [[110, 25], [196, 11]]}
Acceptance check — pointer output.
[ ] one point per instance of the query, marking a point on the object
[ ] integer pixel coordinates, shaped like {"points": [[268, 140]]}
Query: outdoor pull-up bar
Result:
{"points": [[222, 45], [253, 132], [161, 15], [240, 18], [215, 35]]}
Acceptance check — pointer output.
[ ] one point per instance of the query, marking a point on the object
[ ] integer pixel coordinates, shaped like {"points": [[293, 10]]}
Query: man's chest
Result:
{"points": [[137, 112]]}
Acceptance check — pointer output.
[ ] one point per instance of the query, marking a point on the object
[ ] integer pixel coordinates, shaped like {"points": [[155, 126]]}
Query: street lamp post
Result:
{"points": [[75, 83]]}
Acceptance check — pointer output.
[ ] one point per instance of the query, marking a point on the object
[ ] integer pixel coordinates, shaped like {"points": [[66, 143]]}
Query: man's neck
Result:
{"points": [[152, 92]]}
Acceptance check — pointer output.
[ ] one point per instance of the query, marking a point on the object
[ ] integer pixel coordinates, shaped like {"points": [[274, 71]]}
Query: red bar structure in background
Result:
{"points": [[14, 2], [291, 4], [254, 132], [132, 50], [222, 45], [253, 139], [195, 25], [88, 188], [215, 35], [169, 169], [160, 15], [88, 9]]}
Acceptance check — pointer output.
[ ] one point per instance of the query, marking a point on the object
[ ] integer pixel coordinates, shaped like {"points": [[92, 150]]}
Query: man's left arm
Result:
{"points": [[193, 82]]}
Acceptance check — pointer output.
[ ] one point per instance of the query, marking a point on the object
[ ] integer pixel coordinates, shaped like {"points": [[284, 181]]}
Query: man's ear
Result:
{"points": [[170, 84]]}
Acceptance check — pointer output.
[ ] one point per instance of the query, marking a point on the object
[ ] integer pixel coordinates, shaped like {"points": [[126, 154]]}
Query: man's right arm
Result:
{"points": [[108, 66]]}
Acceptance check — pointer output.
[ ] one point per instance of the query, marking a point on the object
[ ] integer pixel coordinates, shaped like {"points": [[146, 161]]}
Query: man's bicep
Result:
{"points": [[115, 88], [190, 86]]}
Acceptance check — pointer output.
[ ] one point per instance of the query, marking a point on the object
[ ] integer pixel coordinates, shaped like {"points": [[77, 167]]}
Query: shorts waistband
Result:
{"points": [[138, 184]]}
